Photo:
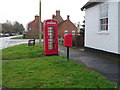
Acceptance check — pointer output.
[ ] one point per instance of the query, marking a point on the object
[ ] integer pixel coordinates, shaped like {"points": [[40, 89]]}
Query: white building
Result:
{"points": [[102, 26], [0, 28]]}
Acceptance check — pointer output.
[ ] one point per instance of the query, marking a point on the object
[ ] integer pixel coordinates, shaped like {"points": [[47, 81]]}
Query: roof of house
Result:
{"points": [[59, 24], [89, 4], [92, 3], [60, 20]]}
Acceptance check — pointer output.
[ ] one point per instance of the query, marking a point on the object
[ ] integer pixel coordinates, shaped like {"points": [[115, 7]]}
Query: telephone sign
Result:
{"points": [[50, 28]]}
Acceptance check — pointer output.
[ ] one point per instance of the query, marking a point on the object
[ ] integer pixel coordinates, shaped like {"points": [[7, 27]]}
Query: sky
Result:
{"points": [[24, 11]]}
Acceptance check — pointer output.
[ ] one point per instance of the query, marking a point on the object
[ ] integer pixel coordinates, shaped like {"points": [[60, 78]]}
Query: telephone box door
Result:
{"points": [[51, 37]]}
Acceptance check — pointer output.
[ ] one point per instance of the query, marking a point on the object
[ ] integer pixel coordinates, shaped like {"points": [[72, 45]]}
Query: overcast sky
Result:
{"points": [[24, 11]]}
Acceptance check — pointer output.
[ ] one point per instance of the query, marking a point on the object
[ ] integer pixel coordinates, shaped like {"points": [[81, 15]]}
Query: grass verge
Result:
{"points": [[51, 72], [22, 51], [21, 37], [47, 72], [27, 37]]}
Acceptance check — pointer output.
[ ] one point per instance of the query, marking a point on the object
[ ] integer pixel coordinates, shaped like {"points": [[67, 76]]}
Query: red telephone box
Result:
{"points": [[50, 28]]}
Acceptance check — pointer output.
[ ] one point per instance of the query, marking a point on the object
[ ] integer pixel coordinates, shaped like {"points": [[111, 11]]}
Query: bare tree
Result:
{"points": [[16, 27]]}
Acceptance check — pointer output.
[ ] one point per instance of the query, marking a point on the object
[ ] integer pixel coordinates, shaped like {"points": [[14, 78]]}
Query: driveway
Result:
{"points": [[103, 66]]}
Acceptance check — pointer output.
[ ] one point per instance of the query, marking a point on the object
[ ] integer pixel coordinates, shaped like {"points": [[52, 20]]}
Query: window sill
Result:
{"points": [[104, 32]]}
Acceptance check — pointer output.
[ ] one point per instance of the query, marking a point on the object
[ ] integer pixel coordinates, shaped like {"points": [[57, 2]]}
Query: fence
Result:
{"points": [[78, 41]]}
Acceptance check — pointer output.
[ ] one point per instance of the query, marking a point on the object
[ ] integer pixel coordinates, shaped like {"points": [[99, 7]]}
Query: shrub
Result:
{"points": [[31, 37]]}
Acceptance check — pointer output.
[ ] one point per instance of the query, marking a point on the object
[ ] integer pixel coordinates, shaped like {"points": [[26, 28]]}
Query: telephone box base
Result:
{"points": [[51, 54]]}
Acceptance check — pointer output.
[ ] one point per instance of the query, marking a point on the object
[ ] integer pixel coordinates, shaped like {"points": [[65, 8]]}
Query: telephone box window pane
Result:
{"points": [[51, 36], [51, 39], [51, 42], [51, 47], [51, 28], [51, 33]]}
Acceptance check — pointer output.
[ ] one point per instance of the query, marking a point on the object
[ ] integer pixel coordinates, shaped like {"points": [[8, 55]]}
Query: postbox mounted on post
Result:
{"points": [[50, 28], [68, 42]]}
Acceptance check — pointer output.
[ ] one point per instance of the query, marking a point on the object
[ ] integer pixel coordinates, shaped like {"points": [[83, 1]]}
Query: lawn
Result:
{"points": [[26, 37], [38, 71], [22, 51]]}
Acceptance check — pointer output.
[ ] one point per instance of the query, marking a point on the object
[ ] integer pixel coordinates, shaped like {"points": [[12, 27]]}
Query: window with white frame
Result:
{"points": [[104, 17], [73, 32], [66, 32], [30, 28]]}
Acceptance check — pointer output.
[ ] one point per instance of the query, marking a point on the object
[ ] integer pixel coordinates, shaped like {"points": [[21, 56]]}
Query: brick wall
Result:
{"points": [[79, 39], [64, 24], [33, 27], [67, 25]]}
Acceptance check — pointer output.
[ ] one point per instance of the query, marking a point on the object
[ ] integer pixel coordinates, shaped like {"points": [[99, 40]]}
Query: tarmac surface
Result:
{"points": [[8, 42], [103, 66]]}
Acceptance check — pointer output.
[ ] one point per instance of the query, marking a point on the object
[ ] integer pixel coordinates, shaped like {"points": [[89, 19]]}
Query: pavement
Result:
{"points": [[103, 66]]}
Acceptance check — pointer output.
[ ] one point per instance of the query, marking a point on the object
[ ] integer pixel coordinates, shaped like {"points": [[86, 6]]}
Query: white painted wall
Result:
{"points": [[107, 41], [119, 28]]}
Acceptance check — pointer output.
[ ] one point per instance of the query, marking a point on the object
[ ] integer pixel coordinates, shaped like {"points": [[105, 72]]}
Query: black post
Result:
{"points": [[68, 53]]}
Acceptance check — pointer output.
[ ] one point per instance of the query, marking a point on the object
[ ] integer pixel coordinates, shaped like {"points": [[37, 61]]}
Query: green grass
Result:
{"points": [[26, 37], [31, 37], [30, 69], [22, 51], [21, 37], [51, 72], [61, 39]]}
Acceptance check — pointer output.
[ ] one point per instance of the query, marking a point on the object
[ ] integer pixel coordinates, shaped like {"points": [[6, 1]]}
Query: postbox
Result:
{"points": [[68, 40], [50, 29]]}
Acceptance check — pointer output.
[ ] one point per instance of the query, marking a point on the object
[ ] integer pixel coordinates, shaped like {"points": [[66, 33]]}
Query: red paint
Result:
{"points": [[50, 28], [68, 40]]}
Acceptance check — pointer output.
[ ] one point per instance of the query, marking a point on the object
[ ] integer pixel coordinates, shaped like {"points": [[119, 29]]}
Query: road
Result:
{"points": [[4, 41], [8, 42]]}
